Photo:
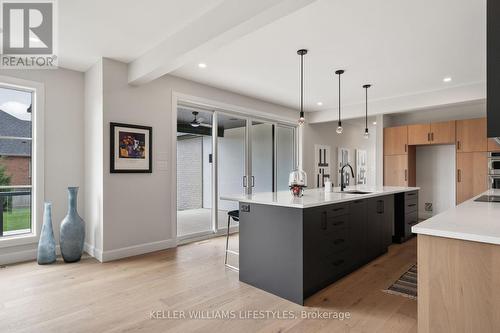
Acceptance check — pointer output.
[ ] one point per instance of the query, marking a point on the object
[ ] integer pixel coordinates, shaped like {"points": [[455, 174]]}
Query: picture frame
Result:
{"points": [[131, 148]]}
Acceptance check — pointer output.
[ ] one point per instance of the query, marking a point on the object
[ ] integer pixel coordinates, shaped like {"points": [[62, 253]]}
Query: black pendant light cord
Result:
{"points": [[366, 86], [301, 52], [339, 72]]}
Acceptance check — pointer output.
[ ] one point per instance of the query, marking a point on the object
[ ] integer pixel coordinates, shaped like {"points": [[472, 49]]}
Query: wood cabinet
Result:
{"points": [[443, 132], [472, 173], [432, 133], [471, 135], [493, 145], [396, 170], [396, 140], [419, 134]]}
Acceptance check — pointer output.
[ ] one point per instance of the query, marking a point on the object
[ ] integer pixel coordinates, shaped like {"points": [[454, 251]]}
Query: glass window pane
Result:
{"points": [[15, 161], [262, 157], [284, 155]]}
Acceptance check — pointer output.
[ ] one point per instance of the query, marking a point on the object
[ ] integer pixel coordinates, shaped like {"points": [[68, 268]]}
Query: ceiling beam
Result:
{"points": [[221, 25]]}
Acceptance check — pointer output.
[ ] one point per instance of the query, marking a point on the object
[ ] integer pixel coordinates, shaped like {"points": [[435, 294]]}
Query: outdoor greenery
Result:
{"points": [[4, 181], [18, 219]]}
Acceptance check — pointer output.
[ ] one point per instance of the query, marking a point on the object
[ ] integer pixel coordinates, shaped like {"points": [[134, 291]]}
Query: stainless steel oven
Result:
{"points": [[494, 163], [494, 182]]}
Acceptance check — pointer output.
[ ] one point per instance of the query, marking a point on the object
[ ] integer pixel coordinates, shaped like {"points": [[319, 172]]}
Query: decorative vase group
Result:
{"points": [[72, 233]]}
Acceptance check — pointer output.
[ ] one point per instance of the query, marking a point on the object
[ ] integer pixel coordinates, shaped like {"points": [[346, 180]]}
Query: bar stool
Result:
{"points": [[235, 215]]}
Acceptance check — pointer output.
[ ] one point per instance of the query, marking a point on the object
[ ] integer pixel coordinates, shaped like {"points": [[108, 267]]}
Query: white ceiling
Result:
{"points": [[404, 48], [120, 29]]}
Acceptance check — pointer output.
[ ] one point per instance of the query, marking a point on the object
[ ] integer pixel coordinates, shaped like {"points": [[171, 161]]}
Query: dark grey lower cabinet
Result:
{"points": [[294, 253]]}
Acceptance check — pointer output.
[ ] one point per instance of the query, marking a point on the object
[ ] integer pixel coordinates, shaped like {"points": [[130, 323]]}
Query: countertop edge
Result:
{"points": [[456, 235]]}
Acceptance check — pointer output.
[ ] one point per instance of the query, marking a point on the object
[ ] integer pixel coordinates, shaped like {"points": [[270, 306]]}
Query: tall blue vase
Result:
{"points": [[72, 230], [46, 253]]}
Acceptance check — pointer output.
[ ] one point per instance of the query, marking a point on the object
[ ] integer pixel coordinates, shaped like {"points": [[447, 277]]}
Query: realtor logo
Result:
{"points": [[28, 32]]}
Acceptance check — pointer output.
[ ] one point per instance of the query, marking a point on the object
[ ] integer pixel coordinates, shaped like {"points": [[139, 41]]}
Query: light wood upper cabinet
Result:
{"points": [[396, 170], [471, 135], [396, 140], [419, 134], [472, 173], [493, 145], [443, 132]]}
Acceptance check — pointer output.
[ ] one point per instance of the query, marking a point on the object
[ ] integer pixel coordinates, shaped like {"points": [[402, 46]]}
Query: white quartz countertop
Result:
{"points": [[315, 197], [471, 220]]}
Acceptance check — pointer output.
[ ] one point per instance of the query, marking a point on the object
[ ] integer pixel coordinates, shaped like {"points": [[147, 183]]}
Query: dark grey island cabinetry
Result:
{"points": [[293, 251]]}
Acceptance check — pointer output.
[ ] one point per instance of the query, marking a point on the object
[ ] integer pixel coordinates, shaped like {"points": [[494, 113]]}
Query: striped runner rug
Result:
{"points": [[406, 285]]}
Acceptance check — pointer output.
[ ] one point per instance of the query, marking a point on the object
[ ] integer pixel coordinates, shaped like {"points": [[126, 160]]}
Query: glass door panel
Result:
{"points": [[285, 155], [262, 147], [194, 172], [231, 163]]}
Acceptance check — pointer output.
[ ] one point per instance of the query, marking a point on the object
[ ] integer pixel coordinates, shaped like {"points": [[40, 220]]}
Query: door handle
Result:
{"points": [[253, 181], [458, 145], [406, 175], [244, 181], [428, 136], [406, 148], [432, 136], [459, 175]]}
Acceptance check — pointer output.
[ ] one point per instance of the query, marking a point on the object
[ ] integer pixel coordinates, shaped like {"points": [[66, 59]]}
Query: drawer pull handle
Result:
{"points": [[338, 241], [408, 194], [338, 262], [337, 209], [338, 223], [411, 205]]}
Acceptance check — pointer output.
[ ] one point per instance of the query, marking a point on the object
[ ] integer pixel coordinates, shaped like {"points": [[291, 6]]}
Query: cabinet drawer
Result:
{"points": [[410, 220], [338, 222], [337, 241], [338, 210], [411, 205], [411, 195]]}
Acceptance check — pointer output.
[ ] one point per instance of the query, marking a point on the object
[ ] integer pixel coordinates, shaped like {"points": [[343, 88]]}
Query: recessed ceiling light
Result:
{"points": [[202, 65], [319, 103], [374, 123], [447, 79]]}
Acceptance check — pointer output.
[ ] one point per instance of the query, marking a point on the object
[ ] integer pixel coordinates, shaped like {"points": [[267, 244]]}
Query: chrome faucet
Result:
{"points": [[342, 183]]}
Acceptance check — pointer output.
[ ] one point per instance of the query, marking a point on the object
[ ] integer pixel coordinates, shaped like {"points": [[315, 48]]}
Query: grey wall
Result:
{"points": [[189, 173], [352, 138]]}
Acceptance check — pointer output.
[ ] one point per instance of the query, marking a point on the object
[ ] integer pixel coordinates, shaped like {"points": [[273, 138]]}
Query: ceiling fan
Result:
{"points": [[196, 122]]}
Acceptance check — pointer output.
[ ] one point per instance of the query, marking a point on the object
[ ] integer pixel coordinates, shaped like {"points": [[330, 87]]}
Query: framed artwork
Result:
{"points": [[343, 158], [361, 166], [322, 164], [131, 148]]}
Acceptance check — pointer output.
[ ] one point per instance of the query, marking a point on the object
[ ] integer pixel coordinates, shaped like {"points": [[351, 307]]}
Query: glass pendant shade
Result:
{"points": [[302, 120], [297, 177], [366, 135], [339, 128]]}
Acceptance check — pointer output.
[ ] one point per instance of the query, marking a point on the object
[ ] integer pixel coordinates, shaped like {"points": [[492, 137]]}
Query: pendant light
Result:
{"points": [[339, 127], [366, 86], [301, 52]]}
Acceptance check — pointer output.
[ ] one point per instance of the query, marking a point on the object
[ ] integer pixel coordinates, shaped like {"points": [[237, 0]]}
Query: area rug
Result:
{"points": [[406, 285]]}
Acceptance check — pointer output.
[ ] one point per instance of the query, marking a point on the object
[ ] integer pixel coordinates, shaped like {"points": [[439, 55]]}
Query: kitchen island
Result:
{"points": [[293, 247], [459, 269]]}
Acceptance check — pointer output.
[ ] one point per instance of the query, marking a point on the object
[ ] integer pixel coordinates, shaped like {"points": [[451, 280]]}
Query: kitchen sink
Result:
{"points": [[354, 192]]}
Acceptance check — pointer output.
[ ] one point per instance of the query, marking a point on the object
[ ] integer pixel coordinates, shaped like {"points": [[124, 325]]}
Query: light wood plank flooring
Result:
{"points": [[119, 296]]}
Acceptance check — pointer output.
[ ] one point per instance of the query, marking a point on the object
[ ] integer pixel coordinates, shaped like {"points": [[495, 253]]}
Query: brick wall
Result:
{"points": [[189, 173], [18, 168]]}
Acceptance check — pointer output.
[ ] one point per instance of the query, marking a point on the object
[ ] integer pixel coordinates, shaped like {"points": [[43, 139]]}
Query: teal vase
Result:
{"points": [[72, 233], [46, 253]]}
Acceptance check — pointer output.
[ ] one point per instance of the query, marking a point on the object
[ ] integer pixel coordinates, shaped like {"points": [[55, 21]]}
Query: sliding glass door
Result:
{"points": [[242, 156]]}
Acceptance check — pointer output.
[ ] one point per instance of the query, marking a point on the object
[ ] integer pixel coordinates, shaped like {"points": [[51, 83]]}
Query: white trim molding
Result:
{"points": [[134, 250]]}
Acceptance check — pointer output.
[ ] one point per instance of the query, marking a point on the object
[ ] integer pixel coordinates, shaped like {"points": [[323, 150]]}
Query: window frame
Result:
{"points": [[37, 159]]}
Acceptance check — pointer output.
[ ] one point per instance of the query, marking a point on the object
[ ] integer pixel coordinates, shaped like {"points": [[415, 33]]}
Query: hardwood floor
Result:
{"points": [[120, 296]]}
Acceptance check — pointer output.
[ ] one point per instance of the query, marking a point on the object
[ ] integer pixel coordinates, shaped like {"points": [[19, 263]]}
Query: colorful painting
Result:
{"points": [[132, 145], [130, 148]]}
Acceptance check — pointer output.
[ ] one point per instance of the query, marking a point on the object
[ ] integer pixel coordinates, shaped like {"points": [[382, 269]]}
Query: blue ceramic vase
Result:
{"points": [[46, 253], [72, 230]]}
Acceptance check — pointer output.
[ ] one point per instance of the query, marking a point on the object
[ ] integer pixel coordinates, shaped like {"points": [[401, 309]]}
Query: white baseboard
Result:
{"points": [[22, 256], [135, 250], [91, 250]]}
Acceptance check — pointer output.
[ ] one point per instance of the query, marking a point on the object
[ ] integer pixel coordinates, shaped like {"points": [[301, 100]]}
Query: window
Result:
{"points": [[16, 147]]}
